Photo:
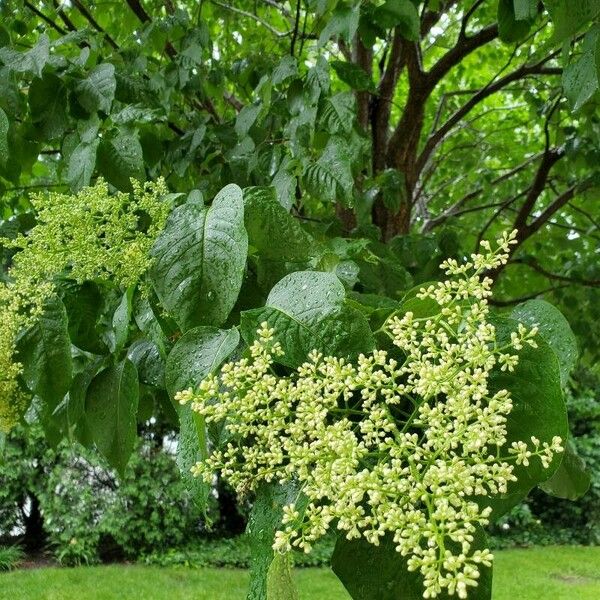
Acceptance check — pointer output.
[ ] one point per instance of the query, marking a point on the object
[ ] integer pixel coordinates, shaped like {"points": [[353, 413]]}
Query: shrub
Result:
{"points": [[87, 513], [10, 557], [232, 553]]}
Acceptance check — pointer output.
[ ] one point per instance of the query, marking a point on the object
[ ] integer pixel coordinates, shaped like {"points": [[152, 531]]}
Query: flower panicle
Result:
{"points": [[384, 447]]}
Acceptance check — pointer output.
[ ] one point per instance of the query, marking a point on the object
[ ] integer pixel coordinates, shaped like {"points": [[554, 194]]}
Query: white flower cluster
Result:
{"points": [[395, 446]]}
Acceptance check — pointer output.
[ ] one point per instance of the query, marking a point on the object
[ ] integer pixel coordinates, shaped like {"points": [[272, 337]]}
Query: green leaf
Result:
{"points": [[571, 480], [287, 67], [272, 231], [121, 159], [200, 258], [308, 312], [343, 23], [402, 14], [246, 118], [356, 77], [199, 352], [554, 330], [48, 105], [146, 357], [4, 124], [280, 584], [264, 521], [538, 410], [196, 354], [580, 77], [97, 90], [371, 572], [120, 322], [330, 177], [32, 61], [525, 9], [510, 28], [569, 17], [75, 409], [81, 165], [337, 113], [111, 408], [284, 183], [192, 447], [45, 352], [84, 304]]}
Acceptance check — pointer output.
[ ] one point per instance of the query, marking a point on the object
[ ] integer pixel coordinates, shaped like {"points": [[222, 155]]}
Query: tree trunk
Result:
{"points": [[35, 536]]}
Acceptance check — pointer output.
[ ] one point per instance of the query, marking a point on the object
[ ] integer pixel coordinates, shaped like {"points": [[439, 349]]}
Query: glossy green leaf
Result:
{"points": [[120, 322], [307, 310], [199, 259], [45, 352], [30, 61], [97, 90], [356, 77], [371, 572], [199, 352], [120, 159], [330, 177], [48, 105], [538, 410], [399, 13], [569, 17], [272, 231], [571, 480], [337, 113], [146, 357], [84, 304], [287, 68], [343, 23], [196, 354], [111, 408], [280, 584], [580, 77], [264, 521], [525, 9], [75, 409], [554, 329], [246, 118], [510, 28], [81, 165]]}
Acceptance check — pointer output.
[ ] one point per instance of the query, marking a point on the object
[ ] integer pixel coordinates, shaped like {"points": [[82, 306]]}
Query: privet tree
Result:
{"points": [[373, 141]]}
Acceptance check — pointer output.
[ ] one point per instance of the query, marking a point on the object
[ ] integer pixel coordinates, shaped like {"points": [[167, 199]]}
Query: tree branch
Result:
{"points": [[451, 211], [44, 18], [464, 46], [382, 103], [550, 157], [90, 19], [364, 59], [556, 205], [497, 302], [64, 17], [532, 263], [431, 17], [252, 16], [520, 73]]}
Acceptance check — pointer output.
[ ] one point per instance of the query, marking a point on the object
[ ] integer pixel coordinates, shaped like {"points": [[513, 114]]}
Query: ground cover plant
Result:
{"points": [[268, 223]]}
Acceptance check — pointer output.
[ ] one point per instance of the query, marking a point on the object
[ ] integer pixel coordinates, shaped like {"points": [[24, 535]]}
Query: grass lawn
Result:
{"points": [[556, 573]]}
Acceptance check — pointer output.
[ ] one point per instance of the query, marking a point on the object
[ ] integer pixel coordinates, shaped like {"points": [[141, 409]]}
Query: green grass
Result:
{"points": [[557, 573]]}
